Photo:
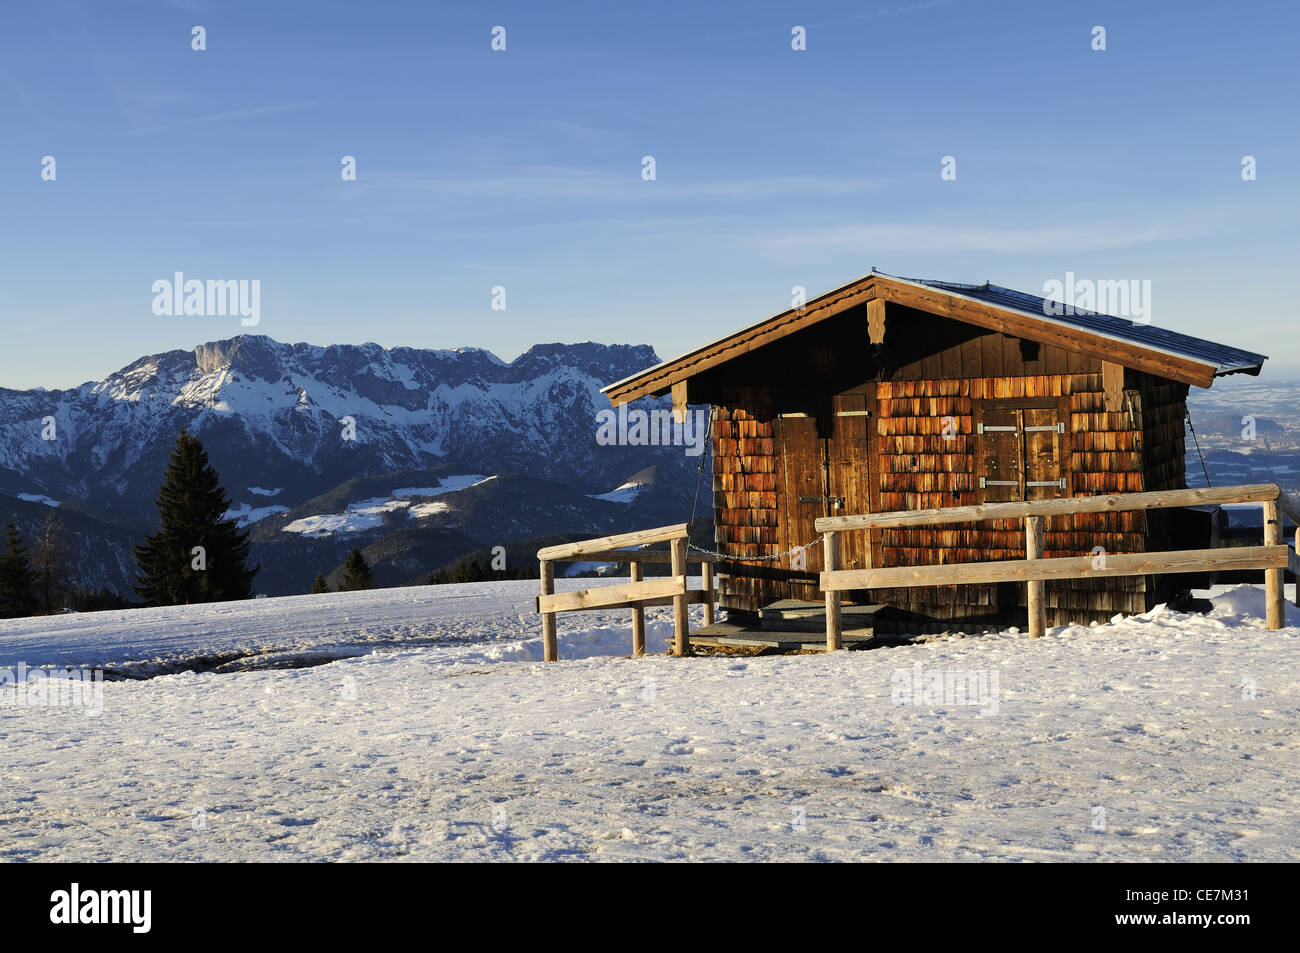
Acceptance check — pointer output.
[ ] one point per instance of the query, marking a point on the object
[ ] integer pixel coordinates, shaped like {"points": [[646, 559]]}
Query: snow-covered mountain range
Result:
{"points": [[290, 426]]}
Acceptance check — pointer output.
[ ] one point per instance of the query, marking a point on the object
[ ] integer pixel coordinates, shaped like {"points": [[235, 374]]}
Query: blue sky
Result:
{"points": [[522, 168]]}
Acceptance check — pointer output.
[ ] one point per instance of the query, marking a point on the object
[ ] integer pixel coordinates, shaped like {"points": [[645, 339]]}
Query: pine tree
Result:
{"points": [[197, 555], [468, 571], [319, 585], [16, 577], [356, 573], [50, 562]]}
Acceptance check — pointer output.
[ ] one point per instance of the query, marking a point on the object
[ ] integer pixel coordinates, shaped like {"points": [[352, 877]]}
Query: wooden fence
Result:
{"points": [[637, 594], [1035, 570]]}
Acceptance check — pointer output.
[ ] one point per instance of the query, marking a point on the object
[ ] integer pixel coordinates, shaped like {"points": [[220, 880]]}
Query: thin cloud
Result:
{"points": [[897, 11], [959, 238], [569, 184], [234, 115]]}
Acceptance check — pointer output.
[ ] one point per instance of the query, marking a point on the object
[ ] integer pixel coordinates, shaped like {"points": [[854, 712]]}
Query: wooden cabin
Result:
{"points": [[895, 394]]}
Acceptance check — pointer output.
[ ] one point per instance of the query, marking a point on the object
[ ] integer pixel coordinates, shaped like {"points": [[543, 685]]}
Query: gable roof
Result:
{"points": [[1159, 351]]}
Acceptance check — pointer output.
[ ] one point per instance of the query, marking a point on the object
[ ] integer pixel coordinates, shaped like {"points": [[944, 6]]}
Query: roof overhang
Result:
{"points": [[947, 302]]}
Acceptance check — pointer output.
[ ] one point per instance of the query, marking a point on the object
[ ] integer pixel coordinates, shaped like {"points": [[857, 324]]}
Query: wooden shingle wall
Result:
{"points": [[928, 382], [921, 470], [745, 505]]}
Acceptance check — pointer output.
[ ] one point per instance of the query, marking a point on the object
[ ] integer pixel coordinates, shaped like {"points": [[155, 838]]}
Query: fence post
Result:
{"points": [[707, 570], [550, 648], [681, 622], [638, 616], [1275, 608], [1036, 588], [834, 635]]}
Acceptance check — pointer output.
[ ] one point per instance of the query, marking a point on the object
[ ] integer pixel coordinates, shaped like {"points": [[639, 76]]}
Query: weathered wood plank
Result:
{"points": [[638, 538], [635, 555], [679, 401], [1060, 567], [638, 616], [876, 321], [694, 597], [681, 621], [834, 640], [708, 593], [1111, 503], [550, 648], [1112, 386], [603, 597], [1033, 552], [1274, 605]]}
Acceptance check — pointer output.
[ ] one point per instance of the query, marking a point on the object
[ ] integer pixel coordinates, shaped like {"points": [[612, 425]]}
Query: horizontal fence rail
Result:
{"points": [[1111, 503], [1059, 567], [1034, 571], [637, 595]]}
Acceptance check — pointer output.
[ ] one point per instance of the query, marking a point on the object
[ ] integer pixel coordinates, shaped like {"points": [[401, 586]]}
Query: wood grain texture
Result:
{"points": [[1035, 589], [603, 597], [550, 647], [1062, 567], [1274, 604], [834, 635], [601, 544], [1249, 493]]}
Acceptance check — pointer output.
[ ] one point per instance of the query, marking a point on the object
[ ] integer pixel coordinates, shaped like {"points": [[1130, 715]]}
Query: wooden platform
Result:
{"points": [[796, 615], [794, 625], [733, 634]]}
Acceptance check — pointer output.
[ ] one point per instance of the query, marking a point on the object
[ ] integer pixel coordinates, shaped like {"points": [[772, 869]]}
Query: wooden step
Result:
{"points": [[727, 633], [797, 615]]}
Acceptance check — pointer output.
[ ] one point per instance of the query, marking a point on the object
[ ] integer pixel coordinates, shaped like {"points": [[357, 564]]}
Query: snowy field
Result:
{"points": [[433, 733]]}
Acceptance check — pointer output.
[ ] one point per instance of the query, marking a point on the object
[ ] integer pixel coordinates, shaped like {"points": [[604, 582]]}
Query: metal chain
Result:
{"points": [[755, 559]]}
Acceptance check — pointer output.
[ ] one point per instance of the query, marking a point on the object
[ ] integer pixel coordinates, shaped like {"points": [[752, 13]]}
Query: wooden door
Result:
{"points": [[803, 484], [850, 472], [1001, 471], [1041, 431]]}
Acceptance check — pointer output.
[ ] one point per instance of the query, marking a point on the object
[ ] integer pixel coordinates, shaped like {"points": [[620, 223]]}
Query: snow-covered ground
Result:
{"points": [[1162, 737]]}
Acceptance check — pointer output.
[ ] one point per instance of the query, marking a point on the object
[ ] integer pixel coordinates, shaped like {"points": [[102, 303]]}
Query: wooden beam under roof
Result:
{"points": [[660, 379]]}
